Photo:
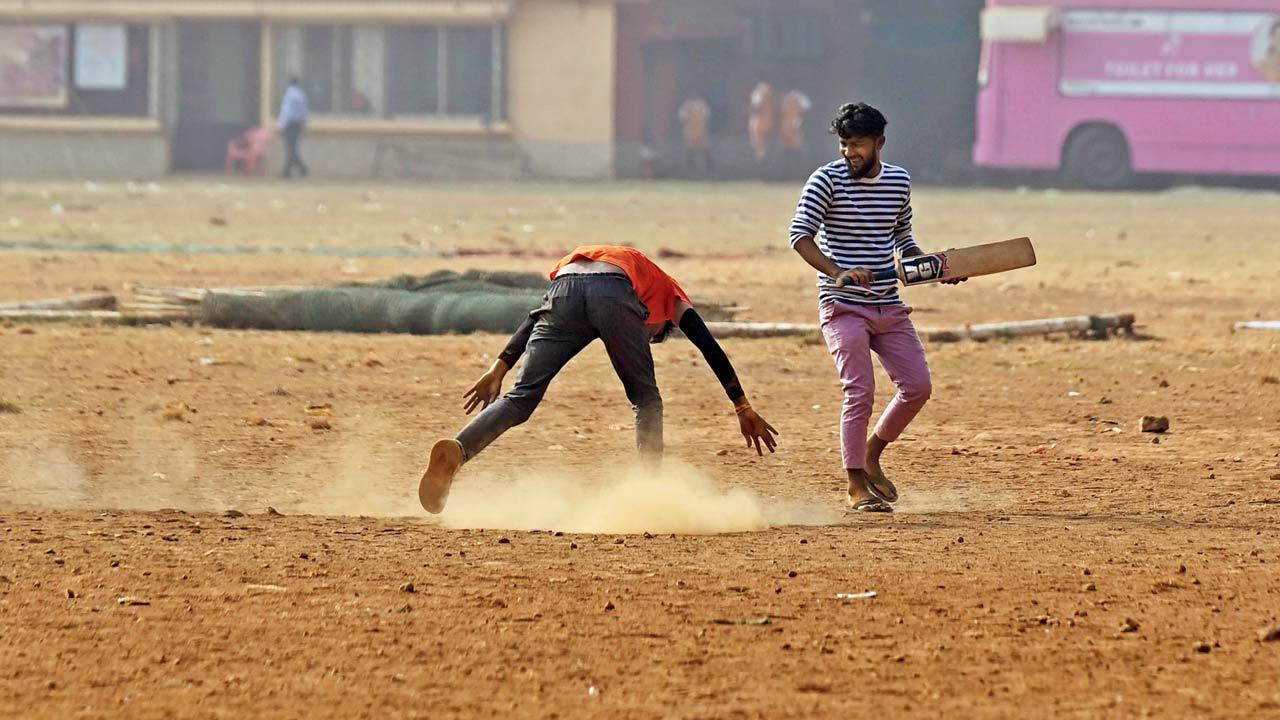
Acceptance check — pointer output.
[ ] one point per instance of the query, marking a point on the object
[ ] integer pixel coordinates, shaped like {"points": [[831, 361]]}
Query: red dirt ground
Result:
{"points": [[1036, 520]]}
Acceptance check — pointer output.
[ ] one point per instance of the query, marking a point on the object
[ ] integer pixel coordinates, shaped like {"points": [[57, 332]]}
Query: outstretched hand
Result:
{"points": [[754, 428], [485, 391]]}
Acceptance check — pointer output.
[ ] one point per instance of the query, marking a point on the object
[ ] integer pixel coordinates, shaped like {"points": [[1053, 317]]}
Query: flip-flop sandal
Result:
{"points": [[882, 487], [871, 504]]}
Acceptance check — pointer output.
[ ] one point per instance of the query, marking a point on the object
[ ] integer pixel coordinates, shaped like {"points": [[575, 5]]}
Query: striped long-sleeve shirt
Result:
{"points": [[856, 223]]}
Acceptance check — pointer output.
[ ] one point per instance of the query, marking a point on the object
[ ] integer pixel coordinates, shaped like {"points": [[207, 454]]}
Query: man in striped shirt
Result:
{"points": [[854, 215]]}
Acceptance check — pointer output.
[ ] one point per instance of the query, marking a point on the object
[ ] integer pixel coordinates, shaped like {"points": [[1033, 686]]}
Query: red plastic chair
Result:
{"points": [[248, 151]]}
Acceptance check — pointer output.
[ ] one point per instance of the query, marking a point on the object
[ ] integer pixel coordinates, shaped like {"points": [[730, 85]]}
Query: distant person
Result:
{"points": [[792, 109], [761, 120], [1268, 65], [293, 120], [695, 120]]}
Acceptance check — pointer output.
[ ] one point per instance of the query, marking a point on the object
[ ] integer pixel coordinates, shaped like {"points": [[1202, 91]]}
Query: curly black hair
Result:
{"points": [[858, 120]]}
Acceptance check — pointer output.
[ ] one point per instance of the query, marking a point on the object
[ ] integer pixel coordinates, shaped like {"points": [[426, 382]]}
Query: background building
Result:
{"points": [[466, 88]]}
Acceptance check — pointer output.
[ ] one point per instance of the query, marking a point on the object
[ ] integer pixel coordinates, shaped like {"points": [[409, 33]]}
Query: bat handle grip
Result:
{"points": [[889, 274]]}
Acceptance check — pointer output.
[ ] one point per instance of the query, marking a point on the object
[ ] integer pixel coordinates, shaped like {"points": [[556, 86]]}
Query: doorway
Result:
{"points": [[219, 84]]}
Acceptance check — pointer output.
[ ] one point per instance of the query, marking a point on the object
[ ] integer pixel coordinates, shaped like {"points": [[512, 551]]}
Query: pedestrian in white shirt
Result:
{"points": [[293, 120]]}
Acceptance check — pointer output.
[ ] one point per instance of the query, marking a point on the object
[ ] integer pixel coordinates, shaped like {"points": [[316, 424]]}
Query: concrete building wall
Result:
{"points": [[559, 95], [560, 79], [29, 153], [391, 155]]}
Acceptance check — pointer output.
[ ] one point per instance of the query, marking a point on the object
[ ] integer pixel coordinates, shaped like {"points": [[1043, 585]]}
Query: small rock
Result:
{"points": [[407, 587], [1154, 423], [1129, 625], [791, 573], [71, 594], [1104, 401], [1164, 383], [280, 391], [406, 609], [1269, 634], [319, 423], [722, 452], [1090, 587], [1202, 647], [272, 512], [504, 541], [233, 514], [648, 536], [608, 607], [26, 330], [573, 546], [131, 600]]}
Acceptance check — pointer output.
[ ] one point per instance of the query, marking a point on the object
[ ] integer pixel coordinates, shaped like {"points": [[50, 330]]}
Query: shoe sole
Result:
{"points": [[433, 489]]}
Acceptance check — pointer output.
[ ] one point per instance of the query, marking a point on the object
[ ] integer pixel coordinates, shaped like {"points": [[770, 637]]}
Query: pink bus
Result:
{"points": [[1103, 89]]}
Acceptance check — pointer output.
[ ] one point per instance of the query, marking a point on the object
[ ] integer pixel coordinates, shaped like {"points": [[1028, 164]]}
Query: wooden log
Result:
{"points": [[160, 307], [93, 301], [171, 294], [1098, 326], [40, 314], [762, 329], [110, 317], [1258, 325]]}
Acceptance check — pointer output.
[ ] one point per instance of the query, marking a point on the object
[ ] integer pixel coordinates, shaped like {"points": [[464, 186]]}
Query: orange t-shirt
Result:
{"points": [[657, 290]]}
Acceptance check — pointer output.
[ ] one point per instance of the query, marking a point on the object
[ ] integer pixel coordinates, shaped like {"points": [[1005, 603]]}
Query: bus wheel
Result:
{"points": [[1097, 157]]}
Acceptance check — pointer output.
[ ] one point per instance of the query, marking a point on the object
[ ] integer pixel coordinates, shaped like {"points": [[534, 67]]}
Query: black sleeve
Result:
{"points": [[515, 346], [695, 329]]}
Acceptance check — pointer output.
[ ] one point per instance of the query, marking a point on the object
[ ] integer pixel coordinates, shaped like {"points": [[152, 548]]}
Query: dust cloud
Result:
{"points": [[675, 499]]}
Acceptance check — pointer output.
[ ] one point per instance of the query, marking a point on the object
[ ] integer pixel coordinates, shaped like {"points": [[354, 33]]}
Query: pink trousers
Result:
{"points": [[852, 332]]}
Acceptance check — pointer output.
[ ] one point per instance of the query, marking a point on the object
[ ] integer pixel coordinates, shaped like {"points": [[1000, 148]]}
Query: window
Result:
{"points": [[788, 34], [413, 71], [394, 71], [76, 69]]}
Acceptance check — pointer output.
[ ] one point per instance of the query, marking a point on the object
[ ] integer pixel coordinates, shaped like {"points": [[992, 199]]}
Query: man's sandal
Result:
{"points": [[871, 504], [882, 487]]}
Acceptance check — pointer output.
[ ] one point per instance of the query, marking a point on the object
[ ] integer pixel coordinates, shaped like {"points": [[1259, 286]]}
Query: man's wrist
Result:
{"points": [[741, 405]]}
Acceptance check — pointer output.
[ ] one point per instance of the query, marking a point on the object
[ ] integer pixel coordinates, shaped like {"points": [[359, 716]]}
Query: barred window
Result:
{"points": [[394, 71]]}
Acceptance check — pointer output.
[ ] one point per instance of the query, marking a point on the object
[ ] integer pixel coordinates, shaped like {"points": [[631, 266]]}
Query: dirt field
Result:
{"points": [[1047, 560]]}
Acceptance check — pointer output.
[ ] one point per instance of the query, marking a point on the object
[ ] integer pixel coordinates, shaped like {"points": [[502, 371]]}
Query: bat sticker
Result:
{"points": [[923, 268]]}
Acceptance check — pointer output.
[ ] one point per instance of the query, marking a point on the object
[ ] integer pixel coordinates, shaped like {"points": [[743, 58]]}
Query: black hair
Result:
{"points": [[858, 120]]}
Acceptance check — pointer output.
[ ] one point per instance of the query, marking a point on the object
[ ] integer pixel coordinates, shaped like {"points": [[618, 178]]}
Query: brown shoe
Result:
{"points": [[433, 489]]}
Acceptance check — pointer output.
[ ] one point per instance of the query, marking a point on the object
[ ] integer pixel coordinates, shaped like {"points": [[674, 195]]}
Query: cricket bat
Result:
{"points": [[963, 262]]}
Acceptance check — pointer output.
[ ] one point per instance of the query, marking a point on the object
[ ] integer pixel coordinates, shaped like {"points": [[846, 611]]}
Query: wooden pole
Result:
{"points": [[75, 302]]}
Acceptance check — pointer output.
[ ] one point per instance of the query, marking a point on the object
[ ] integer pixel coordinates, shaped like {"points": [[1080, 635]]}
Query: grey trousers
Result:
{"points": [[578, 309]]}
